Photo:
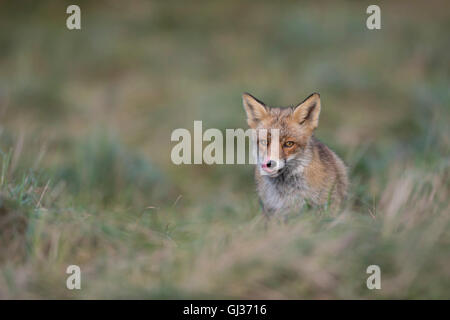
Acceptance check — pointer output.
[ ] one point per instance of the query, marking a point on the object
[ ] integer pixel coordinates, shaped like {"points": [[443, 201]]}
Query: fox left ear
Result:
{"points": [[255, 109], [307, 112]]}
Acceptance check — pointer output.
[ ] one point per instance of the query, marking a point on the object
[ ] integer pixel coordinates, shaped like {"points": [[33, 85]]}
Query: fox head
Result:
{"points": [[294, 128]]}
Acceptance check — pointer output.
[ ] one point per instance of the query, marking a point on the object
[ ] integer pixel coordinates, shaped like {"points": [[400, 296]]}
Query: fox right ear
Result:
{"points": [[307, 113], [255, 109]]}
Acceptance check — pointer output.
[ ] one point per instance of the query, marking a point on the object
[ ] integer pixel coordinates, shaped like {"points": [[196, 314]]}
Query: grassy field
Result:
{"points": [[86, 176]]}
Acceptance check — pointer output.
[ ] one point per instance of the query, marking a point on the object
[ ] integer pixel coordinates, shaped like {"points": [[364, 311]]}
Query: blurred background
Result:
{"points": [[85, 123]]}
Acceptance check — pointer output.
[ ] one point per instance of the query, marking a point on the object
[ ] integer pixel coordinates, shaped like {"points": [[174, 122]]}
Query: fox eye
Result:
{"points": [[288, 144], [263, 142]]}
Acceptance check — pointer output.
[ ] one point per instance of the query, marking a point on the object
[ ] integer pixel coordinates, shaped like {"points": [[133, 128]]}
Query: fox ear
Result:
{"points": [[256, 110], [307, 112]]}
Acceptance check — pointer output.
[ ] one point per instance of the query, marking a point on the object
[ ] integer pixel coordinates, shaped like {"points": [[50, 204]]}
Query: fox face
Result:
{"points": [[282, 133]]}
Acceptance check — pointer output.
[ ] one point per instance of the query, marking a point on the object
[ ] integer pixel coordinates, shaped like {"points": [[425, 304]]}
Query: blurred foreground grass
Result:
{"points": [[86, 176]]}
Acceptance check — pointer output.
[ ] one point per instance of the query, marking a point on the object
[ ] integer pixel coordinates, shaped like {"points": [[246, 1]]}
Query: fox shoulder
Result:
{"points": [[327, 170]]}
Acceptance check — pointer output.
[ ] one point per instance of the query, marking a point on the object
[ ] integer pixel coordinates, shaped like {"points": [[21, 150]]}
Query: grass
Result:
{"points": [[86, 176]]}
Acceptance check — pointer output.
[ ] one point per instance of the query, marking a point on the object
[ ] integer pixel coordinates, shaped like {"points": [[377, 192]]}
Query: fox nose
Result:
{"points": [[271, 164]]}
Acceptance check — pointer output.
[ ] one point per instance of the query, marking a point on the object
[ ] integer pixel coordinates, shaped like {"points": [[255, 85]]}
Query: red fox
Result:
{"points": [[303, 170]]}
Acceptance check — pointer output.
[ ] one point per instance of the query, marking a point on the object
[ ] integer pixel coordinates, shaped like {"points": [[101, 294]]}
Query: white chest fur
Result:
{"points": [[287, 192]]}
